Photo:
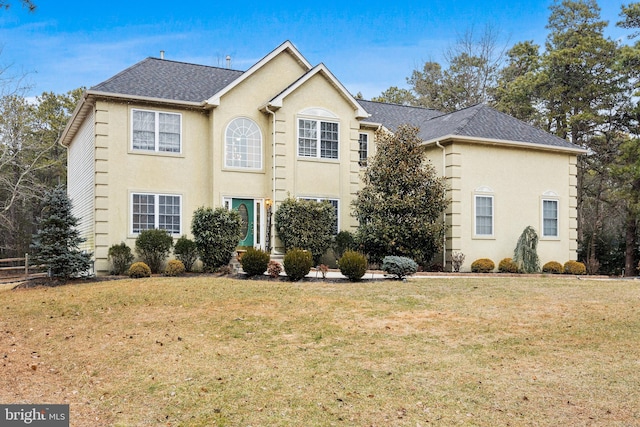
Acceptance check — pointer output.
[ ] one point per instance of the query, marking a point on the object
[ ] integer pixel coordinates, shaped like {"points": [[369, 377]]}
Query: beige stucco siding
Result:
{"points": [[121, 171], [518, 180]]}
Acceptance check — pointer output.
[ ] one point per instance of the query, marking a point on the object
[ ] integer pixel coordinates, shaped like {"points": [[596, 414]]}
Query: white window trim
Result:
{"points": [[550, 236], [328, 118], [226, 166], [365, 161], [329, 199], [475, 216], [156, 150], [156, 210]]}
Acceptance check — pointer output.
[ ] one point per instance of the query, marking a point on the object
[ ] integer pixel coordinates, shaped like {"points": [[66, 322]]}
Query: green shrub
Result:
{"points": [[525, 254], [186, 251], [138, 270], [216, 234], [297, 264], [153, 246], [353, 265], [274, 269], [399, 266], [483, 265], [574, 267], [344, 241], [553, 267], [175, 267], [121, 258], [255, 262], [507, 266], [306, 224]]}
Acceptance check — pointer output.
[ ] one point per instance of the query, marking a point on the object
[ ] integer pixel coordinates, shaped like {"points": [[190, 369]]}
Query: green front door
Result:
{"points": [[245, 209]]}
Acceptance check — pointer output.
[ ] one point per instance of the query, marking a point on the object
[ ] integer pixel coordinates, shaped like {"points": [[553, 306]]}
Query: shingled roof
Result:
{"points": [[393, 115], [168, 80], [482, 121], [479, 121]]}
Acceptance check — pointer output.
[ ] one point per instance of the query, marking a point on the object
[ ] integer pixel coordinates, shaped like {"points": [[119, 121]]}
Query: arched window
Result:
{"points": [[243, 144]]}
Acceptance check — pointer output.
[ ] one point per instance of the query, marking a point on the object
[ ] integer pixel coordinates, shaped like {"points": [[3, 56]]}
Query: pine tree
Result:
{"points": [[56, 242]]}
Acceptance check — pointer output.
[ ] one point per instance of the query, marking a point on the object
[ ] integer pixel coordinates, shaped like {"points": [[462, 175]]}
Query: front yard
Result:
{"points": [[207, 351]]}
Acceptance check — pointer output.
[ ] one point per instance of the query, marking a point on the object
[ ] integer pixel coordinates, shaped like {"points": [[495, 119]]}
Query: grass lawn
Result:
{"points": [[206, 351]]}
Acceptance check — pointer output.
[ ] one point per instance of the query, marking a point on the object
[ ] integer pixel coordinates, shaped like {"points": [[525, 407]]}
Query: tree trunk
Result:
{"points": [[630, 245]]}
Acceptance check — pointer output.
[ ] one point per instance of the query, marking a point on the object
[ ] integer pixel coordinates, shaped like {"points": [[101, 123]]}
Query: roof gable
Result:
{"points": [[320, 69], [287, 46]]}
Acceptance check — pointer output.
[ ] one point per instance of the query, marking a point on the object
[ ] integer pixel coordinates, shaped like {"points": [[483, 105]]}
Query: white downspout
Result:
{"points": [[273, 171], [444, 217]]}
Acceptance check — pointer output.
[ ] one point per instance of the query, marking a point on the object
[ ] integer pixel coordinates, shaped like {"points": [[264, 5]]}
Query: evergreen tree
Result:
{"points": [[56, 242], [401, 205]]}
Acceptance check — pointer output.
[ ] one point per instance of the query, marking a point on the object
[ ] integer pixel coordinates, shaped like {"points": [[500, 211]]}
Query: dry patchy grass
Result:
{"points": [[214, 352]]}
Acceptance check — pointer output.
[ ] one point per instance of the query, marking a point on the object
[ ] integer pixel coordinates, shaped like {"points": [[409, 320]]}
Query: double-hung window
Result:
{"points": [[156, 131], [549, 218], [161, 211], [317, 138], [483, 215], [363, 149]]}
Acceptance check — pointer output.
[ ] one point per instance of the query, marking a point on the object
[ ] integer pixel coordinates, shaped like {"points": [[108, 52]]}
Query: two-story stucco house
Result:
{"points": [[153, 143]]}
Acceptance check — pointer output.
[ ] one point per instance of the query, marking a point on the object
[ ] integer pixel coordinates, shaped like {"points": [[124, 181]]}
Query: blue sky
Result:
{"points": [[369, 46]]}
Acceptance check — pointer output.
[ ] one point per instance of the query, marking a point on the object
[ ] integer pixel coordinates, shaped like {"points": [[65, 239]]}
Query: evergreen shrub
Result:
{"points": [[507, 265], [186, 251], [216, 234], [121, 258], [553, 267], [175, 267], [483, 265], [574, 267], [138, 270], [255, 262], [344, 241], [297, 264], [153, 246], [353, 265], [399, 266]]}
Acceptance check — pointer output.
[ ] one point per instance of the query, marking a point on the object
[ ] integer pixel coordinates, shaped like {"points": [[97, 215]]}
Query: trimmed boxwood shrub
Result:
{"points": [[216, 233], [153, 246], [186, 251], [574, 267], [344, 241], [121, 258], [352, 265], [138, 270], [399, 266], [255, 262], [297, 264], [483, 265], [175, 267], [507, 266], [552, 267]]}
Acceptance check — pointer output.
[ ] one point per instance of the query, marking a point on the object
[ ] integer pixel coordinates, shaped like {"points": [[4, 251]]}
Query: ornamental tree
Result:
{"points": [[56, 243], [401, 205]]}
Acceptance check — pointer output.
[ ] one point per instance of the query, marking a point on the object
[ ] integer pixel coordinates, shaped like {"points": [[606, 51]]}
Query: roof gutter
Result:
{"points": [[514, 144]]}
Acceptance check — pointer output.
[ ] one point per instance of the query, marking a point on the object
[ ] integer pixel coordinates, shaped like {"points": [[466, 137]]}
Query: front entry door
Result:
{"points": [[245, 209]]}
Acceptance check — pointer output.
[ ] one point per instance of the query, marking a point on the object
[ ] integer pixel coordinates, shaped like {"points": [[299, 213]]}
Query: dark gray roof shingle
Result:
{"points": [[393, 115], [171, 80], [482, 121]]}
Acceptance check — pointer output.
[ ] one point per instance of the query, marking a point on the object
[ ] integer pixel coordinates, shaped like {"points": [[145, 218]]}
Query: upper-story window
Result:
{"points": [[243, 144], [363, 149], [318, 137], [156, 131]]}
